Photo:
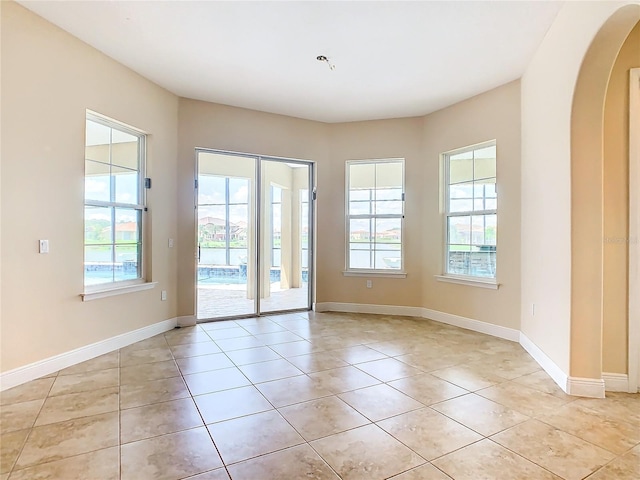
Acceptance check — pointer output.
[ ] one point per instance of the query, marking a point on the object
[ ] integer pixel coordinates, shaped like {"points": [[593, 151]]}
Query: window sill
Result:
{"points": [[111, 292], [469, 281], [374, 273]]}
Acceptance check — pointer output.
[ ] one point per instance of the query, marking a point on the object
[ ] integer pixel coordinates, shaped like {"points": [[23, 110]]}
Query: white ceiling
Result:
{"points": [[393, 59]]}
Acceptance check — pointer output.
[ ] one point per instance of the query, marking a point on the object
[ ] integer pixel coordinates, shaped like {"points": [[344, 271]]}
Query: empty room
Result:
{"points": [[264, 240]]}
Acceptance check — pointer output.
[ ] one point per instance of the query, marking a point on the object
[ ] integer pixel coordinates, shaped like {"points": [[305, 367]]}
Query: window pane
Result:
{"points": [[238, 190], [477, 229], [127, 225], [388, 207], [360, 194], [211, 225], [238, 256], [484, 193], [461, 197], [459, 230], [97, 225], [276, 225], [485, 162], [276, 194], [360, 208], [127, 264], [389, 175], [211, 189], [491, 230], [126, 185], [461, 167], [483, 264], [275, 256], [359, 230], [388, 259], [124, 150], [458, 259], [97, 142], [98, 264], [97, 182], [362, 175], [360, 257], [388, 230], [238, 221], [389, 194]]}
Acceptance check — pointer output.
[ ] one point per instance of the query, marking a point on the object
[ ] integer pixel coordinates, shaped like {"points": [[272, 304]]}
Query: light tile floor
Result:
{"points": [[217, 301], [314, 396]]}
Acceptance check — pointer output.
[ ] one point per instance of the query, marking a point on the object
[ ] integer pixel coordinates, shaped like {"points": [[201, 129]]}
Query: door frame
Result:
{"points": [[257, 224], [634, 231]]}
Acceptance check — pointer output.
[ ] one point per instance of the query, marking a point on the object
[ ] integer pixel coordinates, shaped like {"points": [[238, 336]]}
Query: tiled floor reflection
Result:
{"points": [[314, 396]]}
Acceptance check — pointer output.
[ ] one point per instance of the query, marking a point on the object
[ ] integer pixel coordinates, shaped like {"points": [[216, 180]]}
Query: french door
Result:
{"points": [[254, 235]]}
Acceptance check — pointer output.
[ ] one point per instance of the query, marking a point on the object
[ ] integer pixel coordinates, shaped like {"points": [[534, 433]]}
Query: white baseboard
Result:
{"points": [[186, 321], [616, 382], [21, 375], [471, 324], [368, 308], [448, 318], [549, 366], [585, 387]]}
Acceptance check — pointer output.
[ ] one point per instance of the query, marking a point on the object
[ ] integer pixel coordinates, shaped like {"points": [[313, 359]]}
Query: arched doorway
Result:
{"points": [[599, 212]]}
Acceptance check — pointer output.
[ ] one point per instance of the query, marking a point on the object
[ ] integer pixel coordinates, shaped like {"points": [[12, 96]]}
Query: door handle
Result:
{"points": [[199, 252]]}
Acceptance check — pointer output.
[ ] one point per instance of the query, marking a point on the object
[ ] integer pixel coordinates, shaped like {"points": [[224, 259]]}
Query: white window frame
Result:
{"points": [[372, 272], [107, 289], [471, 280]]}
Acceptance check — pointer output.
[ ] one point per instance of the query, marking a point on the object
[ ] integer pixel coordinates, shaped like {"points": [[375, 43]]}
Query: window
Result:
{"points": [[375, 206], [276, 226], [113, 202], [304, 233], [223, 220], [471, 211]]}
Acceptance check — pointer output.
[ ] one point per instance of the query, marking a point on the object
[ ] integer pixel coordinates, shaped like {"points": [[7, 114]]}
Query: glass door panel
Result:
{"points": [[285, 228], [226, 219]]}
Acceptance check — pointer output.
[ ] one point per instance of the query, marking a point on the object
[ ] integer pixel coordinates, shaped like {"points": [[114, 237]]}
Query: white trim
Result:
{"points": [[585, 387], [374, 273], [24, 374], [369, 308], [469, 281], [186, 321], [138, 287], [442, 317], [634, 231], [470, 324], [616, 382], [549, 366]]}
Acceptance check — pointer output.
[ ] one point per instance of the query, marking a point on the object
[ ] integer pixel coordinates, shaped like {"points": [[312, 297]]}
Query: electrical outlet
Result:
{"points": [[163, 295], [171, 243], [369, 284], [44, 246]]}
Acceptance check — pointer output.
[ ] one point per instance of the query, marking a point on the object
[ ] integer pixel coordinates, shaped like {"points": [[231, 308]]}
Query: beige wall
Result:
{"points": [[547, 99], [419, 141], [492, 115], [49, 78], [616, 207], [380, 139]]}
